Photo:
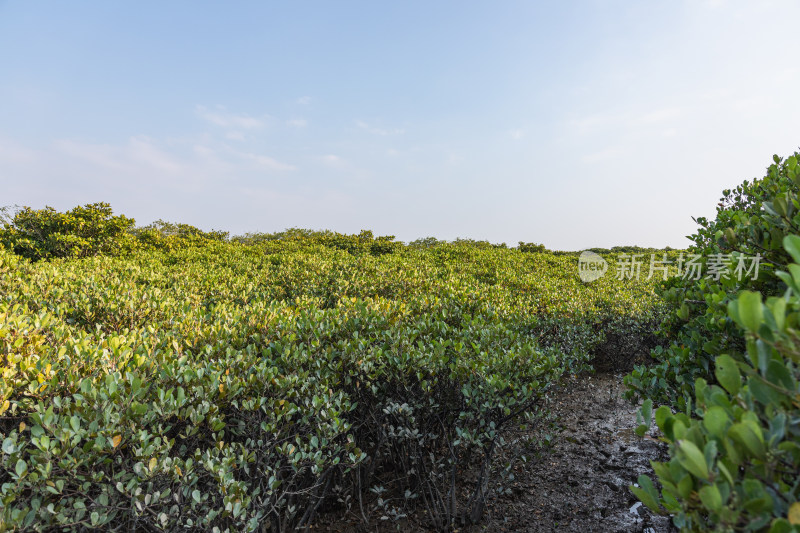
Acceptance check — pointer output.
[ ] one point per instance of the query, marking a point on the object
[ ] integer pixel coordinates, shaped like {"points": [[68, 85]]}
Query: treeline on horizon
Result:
{"points": [[93, 229]]}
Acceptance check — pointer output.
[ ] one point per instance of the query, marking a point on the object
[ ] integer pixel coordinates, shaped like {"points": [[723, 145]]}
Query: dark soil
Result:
{"points": [[581, 482]]}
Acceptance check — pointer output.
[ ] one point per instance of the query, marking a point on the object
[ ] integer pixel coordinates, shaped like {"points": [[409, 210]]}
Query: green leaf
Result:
{"points": [[750, 311], [692, 459], [727, 374], [644, 417], [744, 433], [725, 472], [662, 414], [730, 236], [781, 525], [685, 486], [700, 388], [8, 446], [792, 245], [711, 498], [777, 307], [710, 452], [196, 495], [780, 205], [778, 374], [716, 421], [647, 493]]}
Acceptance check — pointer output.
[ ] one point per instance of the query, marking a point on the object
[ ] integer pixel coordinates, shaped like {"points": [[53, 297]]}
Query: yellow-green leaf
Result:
{"points": [[794, 514]]}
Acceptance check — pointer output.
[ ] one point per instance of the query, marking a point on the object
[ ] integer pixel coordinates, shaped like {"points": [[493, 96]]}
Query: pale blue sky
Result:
{"points": [[575, 124]]}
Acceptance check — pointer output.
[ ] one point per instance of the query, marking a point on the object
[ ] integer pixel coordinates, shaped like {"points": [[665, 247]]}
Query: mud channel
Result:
{"points": [[582, 483]]}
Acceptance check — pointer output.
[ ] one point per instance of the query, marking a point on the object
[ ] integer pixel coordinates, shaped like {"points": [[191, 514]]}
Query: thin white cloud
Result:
{"points": [[454, 159], [592, 122], [303, 100], [148, 163], [13, 152], [144, 149], [297, 123], [606, 154], [225, 119], [788, 74], [332, 160], [139, 152], [262, 161], [378, 131], [517, 134], [626, 118], [660, 115], [212, 161], [99, 155]]}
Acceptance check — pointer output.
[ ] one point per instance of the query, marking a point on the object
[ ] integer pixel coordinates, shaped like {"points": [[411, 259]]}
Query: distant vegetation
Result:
{"points": [[81, 232], [93, 229]]}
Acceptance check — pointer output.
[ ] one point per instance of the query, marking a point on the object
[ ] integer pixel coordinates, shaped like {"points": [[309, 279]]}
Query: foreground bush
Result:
{"points": [[736, 466], [733, 372], [752, 220], [242, 387]]}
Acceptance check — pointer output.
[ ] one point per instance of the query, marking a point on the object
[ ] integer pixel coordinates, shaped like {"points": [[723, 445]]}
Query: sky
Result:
{"points": [[574, 124]]}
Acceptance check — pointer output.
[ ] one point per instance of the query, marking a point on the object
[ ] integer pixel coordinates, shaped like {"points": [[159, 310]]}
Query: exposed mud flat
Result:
{"points": [[582, 483]]}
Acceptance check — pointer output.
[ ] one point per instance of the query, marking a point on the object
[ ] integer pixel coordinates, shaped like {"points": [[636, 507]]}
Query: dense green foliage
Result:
{"points": [[531, 247], [169, 235], [732, 369], [83, 231], [364, 242], [219, 384], [751, 220]]}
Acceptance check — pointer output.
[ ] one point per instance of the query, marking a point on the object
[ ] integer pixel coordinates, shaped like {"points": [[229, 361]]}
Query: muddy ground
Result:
{"points": [[581, 482]]}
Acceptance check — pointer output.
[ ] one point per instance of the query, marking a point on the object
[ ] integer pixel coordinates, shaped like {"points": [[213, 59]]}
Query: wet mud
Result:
{"points": [[581, 483]]}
